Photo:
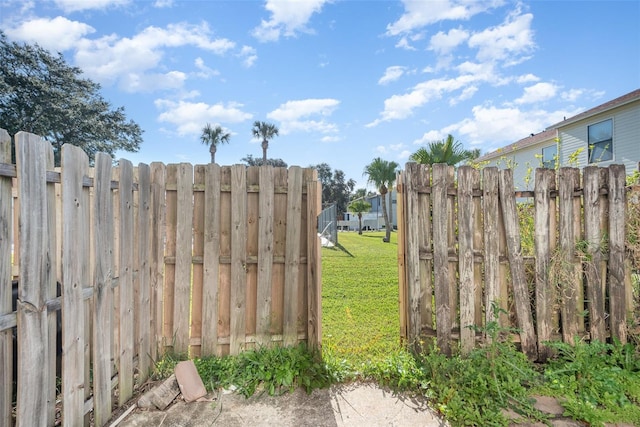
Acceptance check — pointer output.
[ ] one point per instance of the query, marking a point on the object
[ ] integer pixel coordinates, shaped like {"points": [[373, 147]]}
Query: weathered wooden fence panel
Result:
{"points": [[478, 260], [204, 260]]}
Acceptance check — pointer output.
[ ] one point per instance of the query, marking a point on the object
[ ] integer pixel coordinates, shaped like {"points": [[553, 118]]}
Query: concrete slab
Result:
{"points": [[351, 405]]}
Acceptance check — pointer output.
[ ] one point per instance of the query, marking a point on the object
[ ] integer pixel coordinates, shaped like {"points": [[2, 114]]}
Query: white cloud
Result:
{"points": [[443, 43], [509, 42], [392, 74], [57, 34], [188, 117], [288, 18], [296, 116], [150, 82], [204, 71], [248, 55], [161, 4], [77, 5], [110, 58], [538, 93], [419, 13]]}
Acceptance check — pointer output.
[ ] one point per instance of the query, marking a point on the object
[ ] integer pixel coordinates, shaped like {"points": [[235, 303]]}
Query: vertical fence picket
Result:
{"points": [[466, 177], [490, 209], [252, 243], [593, 238], [314, 263], [156, 257], [265, 255], [211, 261], [292, 256], [74, 257], [103, 293], [617, 215], [143, 303], [415, 298], [441, 258], [238, 289], [198, 260], [6, 338], [545, 291], [183, 258]]}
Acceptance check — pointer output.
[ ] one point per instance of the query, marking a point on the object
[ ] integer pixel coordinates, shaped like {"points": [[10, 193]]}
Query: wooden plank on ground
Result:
{"points": [[211, 261], [103, 292], [466, 180], [440, 258], [292, 256], [238, 289], [520, 289], [265, 255], [545, 291], [125, 287], [617, 233], [6, 336], [156, 257], [593, 237]]}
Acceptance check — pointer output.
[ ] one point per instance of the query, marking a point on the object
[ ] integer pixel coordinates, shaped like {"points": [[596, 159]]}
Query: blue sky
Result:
{"points": [[344, 81]]}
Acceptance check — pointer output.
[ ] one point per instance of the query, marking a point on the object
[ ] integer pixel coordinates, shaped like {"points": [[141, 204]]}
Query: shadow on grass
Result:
{"points": [[338, 246]]}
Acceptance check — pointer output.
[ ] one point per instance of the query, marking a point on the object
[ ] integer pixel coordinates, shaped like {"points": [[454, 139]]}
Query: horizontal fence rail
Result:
{"points": [[199, 260], [460, 254]]}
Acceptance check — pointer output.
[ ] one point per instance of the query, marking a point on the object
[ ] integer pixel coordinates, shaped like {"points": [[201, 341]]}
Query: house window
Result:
{"points": [[601, 141], [549, 156]]}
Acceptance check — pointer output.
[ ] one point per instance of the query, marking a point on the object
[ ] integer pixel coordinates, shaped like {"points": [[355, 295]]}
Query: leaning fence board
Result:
{"points": [[103, 297], [617, 294], [516, 264], [33, 350], [6, 339]]}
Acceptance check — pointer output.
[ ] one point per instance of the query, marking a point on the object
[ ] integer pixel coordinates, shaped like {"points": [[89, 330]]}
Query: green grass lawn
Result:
{"points": [[360, 320]]}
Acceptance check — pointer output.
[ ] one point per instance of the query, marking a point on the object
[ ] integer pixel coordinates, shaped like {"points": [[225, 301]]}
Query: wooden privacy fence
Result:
{"points": [[207, 260], [460, 252]]}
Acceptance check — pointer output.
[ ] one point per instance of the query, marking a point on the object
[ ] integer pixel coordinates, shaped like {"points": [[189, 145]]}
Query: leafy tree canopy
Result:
{"points": [[252, 161], [335, 187], [41, 94]]}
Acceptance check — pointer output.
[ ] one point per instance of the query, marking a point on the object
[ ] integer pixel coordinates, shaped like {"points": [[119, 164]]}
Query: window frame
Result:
{"points": [[551, 163], [602, 147]]}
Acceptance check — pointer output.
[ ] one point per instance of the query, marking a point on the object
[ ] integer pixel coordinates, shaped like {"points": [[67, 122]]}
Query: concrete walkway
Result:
{"points": [[354, 405]]}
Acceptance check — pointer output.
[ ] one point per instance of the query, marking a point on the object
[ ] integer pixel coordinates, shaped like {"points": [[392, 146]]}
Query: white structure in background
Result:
{"points": [[604, 135], [374, 219]]}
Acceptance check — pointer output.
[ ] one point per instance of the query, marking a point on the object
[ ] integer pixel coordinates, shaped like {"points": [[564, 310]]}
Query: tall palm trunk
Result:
{"points": [[359, 223], [265, 145], [385, 215], [212, 150]]}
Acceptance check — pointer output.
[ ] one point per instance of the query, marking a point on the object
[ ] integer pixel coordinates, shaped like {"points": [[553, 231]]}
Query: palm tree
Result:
{"points": [[214, 136], [266, 131], [382, 174], [359, 206], [448, 151]]}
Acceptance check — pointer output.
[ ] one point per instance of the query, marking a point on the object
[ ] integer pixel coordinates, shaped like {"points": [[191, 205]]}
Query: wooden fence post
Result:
{"points": [[292, 256], [314, 262], [441, 257], [467, 178], [238, 258], [617, 235]]}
